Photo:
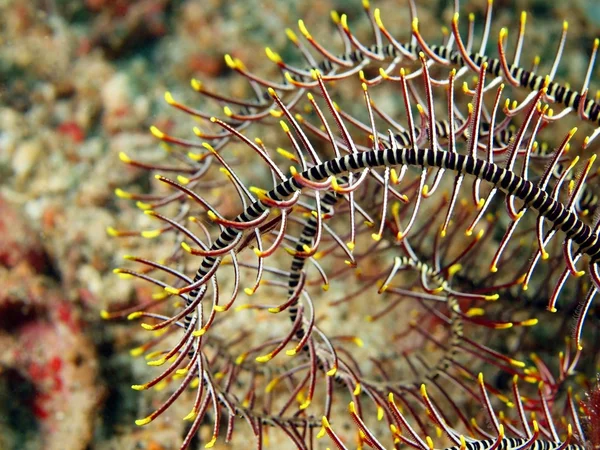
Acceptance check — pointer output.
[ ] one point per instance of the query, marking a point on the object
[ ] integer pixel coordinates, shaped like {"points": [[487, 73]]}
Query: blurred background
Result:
{"points": [[82, 81]]}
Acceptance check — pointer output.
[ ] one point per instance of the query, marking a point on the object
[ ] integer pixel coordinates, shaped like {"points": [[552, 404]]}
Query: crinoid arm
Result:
{"points": [[383, 257]]}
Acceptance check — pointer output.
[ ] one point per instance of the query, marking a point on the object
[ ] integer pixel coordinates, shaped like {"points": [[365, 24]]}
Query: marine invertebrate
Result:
{"points": [[362, 194]]}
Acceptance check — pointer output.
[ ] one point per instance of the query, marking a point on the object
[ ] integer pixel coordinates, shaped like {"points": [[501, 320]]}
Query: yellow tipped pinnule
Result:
{"points": [[143, 205], [122, 275], [191, 416], [211, 443], [323, 429], [352, 408], [303, 29], [271, 385], [156, 132], [516, 363], [231, 63], [357, 389], [104, 314], [429, 442], [137, 351], [124, 158], [304, 405], [169, 98], [258, 191], [335, 16], [273, 56], [209, 147], [344, 21], [284, 126], [172, 290], [135, 315], [453, 269], [475, 312], [358, 341], [530, 322], [150, 234], [291, 35], [122, 194], [274, 112], [211, 215], [377, 17], [289, 79], [264, 358], [158, 362], [415, 24], [379, 413], [144, 421], [196, 84]]}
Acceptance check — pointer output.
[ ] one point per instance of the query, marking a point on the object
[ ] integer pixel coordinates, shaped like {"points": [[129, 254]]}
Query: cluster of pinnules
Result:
{"points": [[392, 257]]}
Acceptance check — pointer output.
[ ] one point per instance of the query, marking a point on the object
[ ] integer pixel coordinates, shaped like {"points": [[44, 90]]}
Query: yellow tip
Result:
{"points": [[141, 422], [156, 132], [158, 362], [196, 84], [137, 351], [304, 405], [134, 315], [264, 358], [230, 62], [151, 234], [191, 416]]}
